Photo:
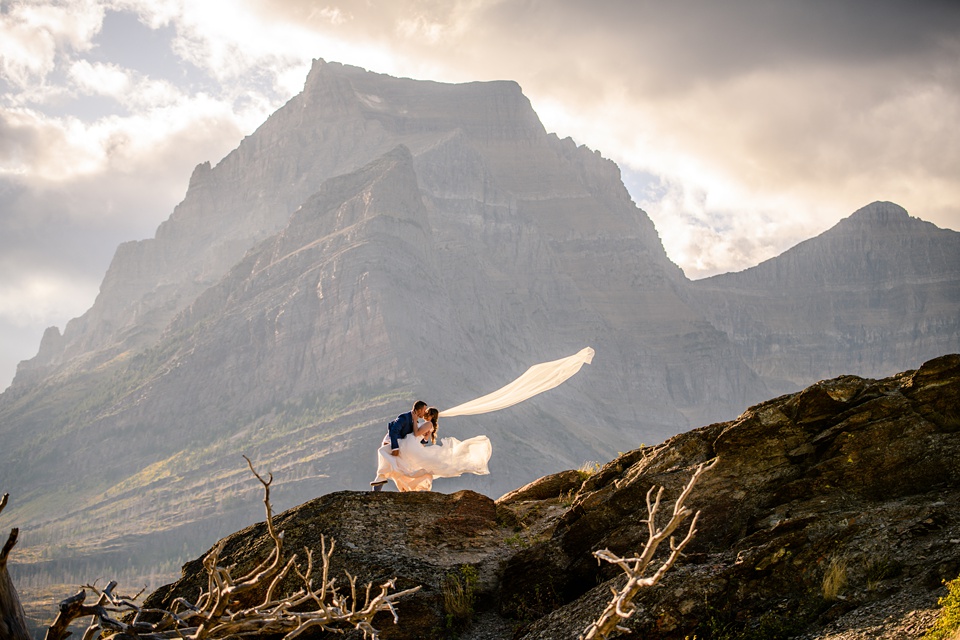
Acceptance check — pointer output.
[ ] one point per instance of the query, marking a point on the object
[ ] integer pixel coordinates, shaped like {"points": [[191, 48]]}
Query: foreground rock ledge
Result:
{"points": [[854, 478], [417, 538]]}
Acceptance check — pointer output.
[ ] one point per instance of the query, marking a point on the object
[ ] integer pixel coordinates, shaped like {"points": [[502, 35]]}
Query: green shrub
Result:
{"points": [[947, 626], [459, 596]]}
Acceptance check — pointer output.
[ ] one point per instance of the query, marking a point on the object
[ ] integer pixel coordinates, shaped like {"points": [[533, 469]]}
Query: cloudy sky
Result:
{"points": [[742, 127]]}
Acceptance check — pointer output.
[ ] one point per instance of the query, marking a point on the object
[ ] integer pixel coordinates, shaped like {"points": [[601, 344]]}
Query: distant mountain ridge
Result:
{"points": [[878, 289], [379, 240]]}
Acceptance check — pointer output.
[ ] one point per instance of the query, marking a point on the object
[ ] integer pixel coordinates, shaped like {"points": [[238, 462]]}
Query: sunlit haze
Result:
{"points": [[740, 127]]}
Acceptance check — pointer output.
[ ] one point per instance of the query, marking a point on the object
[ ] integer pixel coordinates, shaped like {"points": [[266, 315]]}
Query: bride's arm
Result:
{"points": [[424, 430]]}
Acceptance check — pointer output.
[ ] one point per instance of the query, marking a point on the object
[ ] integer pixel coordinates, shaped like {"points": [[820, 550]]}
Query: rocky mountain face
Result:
{"points": [[830, 513], [379, 240], [879, 289], [533, 244], [374, 241], [540, 247]]}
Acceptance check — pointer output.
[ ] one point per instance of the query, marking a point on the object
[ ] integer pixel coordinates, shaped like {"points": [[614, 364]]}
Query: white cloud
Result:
{"points": [[234, 44], [86, 186], [37, 146], [333, 15], [33, 33], [705, 236], [757, 161], [154, 13], [45, 297], [99, 78], [163, 125], [30, 302], [421, 27]]}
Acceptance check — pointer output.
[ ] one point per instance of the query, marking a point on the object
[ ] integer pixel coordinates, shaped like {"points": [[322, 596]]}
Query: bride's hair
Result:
{"points": [[433, 415]]}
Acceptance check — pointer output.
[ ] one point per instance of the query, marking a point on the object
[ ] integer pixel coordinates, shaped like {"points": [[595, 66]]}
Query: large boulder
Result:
{"points": [[852, 483]]}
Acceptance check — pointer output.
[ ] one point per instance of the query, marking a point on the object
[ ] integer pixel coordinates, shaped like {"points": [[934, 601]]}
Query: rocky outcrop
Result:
{"points": [[852, 476], [417, 538], [853, 479]]}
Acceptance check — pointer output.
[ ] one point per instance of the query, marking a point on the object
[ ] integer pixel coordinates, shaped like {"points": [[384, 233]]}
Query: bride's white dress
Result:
{"points": [[417, 465]]}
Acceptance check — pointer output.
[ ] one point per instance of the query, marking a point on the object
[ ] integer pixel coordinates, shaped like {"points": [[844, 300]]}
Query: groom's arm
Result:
{"points": [[396, 429]]}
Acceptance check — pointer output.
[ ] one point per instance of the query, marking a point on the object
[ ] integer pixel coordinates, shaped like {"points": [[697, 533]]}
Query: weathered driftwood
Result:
{"points": [[218, 612], [13, 623], [620, 606]]}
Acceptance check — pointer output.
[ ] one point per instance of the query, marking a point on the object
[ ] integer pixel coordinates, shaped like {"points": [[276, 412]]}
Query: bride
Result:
{"points": [[422, 459], [419, 459]]}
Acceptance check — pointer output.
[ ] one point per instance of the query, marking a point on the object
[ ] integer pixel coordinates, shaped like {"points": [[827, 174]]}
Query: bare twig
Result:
{"points": [[8, 546], [219, 611], [12, 538], [620, 606]]}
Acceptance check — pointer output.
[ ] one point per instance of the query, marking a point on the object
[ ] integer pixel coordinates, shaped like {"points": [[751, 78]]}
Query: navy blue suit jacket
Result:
{"points": [[401, 427]]}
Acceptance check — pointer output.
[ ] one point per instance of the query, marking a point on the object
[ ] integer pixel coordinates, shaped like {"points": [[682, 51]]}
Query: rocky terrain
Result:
{"points": [[379, 240], [832, 513]]}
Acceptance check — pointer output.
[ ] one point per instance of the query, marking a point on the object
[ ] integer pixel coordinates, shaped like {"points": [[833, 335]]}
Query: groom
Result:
{"points": [[405, 424]]}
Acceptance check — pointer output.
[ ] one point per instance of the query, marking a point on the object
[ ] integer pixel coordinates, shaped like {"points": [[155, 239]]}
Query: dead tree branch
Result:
{"points": [[621, 606], [220, 612], [13, 622], [11, 539]]}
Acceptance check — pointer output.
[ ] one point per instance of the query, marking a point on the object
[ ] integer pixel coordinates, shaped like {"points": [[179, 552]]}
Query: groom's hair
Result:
{"points": [[419, 404]]}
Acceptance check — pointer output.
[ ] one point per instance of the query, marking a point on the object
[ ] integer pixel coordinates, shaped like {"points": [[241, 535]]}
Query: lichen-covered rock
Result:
{"points": [[551, 486], [851, 480]]}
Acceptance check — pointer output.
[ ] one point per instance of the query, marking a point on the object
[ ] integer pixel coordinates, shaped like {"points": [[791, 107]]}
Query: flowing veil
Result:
{"points": [[416, 466], [537, 379]]}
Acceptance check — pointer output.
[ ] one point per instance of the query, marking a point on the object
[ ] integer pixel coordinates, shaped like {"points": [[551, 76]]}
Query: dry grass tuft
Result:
{"points": [[835, 579], [588, 469]]}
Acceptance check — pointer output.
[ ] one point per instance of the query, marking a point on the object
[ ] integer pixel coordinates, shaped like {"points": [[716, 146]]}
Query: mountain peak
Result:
{"points": [[880, 209], [887, 222], [880, 212]]}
